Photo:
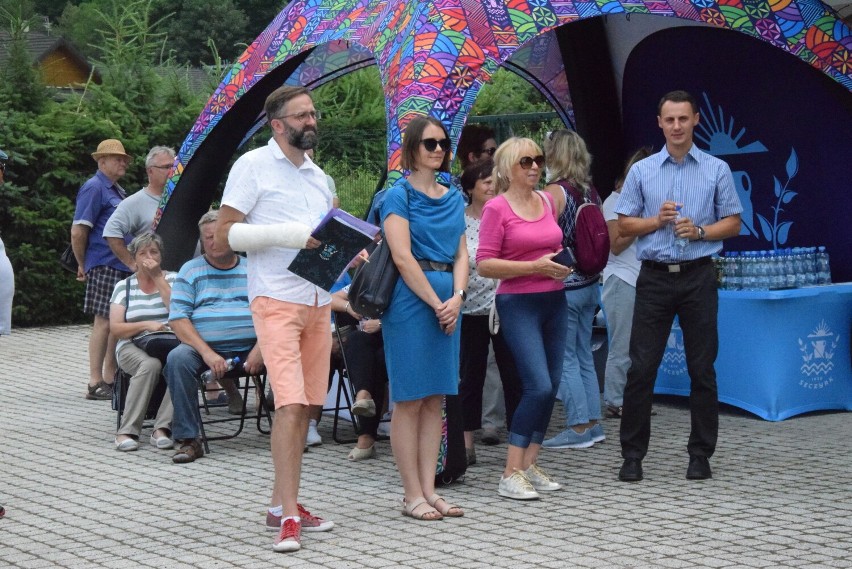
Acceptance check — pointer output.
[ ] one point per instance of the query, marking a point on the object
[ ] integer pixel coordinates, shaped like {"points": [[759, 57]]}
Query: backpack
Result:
{"points": [[591, 236]]}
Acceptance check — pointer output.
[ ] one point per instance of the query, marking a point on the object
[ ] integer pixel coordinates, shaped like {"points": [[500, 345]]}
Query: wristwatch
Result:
{"points": [[462, 293], [700, 232]]}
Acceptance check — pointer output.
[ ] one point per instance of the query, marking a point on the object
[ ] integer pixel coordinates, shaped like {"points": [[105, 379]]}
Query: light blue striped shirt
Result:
{"points": [[216, 302], [701, 182]]}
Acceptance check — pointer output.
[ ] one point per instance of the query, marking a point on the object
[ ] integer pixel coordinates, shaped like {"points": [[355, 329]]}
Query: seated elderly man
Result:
{"points": [[210, 314]]}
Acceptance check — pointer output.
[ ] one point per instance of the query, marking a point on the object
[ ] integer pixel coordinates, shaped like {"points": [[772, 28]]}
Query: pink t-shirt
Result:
{"points": [[504, 235]]}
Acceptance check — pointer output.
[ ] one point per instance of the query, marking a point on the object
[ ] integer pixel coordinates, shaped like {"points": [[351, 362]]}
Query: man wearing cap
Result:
{"points": [[135, 214], [98, 267]]}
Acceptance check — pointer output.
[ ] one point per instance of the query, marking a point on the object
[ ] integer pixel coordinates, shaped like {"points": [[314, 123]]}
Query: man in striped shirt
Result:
{"points": [[680, 204], [210, 314]]}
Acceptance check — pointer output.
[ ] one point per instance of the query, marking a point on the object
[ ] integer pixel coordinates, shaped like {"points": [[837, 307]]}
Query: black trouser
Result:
{"points": [[365, 361], [473, 357], [660, 295]]}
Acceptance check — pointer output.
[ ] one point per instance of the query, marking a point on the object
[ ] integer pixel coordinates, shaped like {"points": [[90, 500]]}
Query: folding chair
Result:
{"points": [[119, 397], [345, 392], [244, 382]]}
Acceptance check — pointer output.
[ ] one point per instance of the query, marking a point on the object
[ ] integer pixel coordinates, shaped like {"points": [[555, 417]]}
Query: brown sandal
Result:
{"points": [[432, 515], [450, 510], [101, 391]]}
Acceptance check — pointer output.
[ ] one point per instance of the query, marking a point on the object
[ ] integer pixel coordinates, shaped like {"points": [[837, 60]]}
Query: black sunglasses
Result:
{"points": [[489, 151], [527, 161], [430, 144]]}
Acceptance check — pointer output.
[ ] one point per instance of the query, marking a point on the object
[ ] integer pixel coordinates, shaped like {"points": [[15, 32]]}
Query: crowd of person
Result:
{"points": [[486, 244]]}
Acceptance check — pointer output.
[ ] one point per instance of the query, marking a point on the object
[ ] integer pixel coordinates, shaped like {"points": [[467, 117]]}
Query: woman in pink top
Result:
{"points": [[518, 239]]}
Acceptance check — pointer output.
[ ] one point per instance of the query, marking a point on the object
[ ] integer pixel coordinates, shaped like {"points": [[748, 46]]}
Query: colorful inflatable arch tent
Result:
{"points": [[434, 56]]}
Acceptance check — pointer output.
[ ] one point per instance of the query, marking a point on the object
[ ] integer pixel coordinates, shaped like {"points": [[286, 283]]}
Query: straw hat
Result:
{"points": [[110, 147]]}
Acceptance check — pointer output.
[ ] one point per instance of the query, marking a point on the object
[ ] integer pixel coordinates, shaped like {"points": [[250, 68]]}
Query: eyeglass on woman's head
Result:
{"points": [[527, 161], [303, 116], [430, 144]]}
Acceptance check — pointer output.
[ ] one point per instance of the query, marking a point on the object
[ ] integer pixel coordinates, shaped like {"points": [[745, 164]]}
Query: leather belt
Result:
{"points": [[677, 267], [427, 265]]}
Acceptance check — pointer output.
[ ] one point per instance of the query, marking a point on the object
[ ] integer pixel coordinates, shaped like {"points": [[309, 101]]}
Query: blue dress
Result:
{"points": [[421, 359]]}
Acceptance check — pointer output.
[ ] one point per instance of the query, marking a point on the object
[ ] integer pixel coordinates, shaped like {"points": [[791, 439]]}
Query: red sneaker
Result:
{"points": [[289, 538], [310, 522]]}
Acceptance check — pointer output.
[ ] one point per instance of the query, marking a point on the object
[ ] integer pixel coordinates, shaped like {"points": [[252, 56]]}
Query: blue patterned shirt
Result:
{"points": [[701, 182]]}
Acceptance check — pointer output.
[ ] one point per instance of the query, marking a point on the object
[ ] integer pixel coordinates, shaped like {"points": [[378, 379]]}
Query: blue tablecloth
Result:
{"points": [[781, 353]]}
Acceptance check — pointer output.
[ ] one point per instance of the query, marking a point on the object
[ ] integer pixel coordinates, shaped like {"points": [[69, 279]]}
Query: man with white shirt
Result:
{"points": [[134, 215], [274, 196]]}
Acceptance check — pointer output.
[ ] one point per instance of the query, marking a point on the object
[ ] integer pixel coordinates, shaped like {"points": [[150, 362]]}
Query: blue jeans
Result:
{"points": [[183, 366], [579, 389], [535, 327], [618, 300]]}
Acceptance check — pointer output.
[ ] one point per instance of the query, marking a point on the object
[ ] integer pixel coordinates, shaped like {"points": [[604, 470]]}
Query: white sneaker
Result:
{"points": [[517, 487], [541, 480], [314, 439]]}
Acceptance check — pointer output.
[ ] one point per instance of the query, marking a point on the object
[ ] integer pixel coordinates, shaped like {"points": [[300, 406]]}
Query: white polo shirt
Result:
{"points": [[267, 188]]}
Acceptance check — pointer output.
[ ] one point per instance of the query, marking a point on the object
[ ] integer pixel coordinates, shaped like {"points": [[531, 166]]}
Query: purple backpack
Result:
{"points": [[591, 236]]}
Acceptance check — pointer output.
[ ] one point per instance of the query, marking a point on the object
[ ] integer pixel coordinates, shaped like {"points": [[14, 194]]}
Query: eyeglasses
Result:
{"points": [[430, 144], [527, 161], [303, 116], [489, 151], [166, 167]]}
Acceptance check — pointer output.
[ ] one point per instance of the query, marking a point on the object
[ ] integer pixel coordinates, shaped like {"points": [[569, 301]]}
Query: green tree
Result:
{"points": [[508, 93], [21, 83], [197, 21]]}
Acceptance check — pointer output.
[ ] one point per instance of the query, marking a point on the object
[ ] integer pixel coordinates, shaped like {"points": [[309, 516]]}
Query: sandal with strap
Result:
{"points": [[449, 510], [432, 515], [101, 391]]}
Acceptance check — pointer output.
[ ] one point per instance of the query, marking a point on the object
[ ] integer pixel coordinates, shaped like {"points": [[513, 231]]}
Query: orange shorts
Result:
{"points": [[295, 341]]}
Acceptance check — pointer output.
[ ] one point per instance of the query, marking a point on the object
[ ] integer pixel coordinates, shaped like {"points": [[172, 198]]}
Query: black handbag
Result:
{"points": [[68, 261], [374, 282], [157, 344]]}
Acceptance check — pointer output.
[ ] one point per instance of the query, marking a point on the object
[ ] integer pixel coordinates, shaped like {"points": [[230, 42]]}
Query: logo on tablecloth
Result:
{"points": [[674, 358], [817, 350]]}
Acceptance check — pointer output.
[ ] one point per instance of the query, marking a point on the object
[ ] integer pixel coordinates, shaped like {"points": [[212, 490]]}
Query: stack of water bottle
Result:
{"points": [[772, 270]]}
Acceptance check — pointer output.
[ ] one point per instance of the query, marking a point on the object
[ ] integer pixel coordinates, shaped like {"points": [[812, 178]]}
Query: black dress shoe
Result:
{"points": [[631, 470], [699, 468]]}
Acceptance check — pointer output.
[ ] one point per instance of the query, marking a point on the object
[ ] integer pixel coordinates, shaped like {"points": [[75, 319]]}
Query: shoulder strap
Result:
{"points": [[546, 199], [126, 296]]}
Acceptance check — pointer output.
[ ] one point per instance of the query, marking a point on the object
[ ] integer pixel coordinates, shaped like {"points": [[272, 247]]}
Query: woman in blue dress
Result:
{"points": [[423, 223]]}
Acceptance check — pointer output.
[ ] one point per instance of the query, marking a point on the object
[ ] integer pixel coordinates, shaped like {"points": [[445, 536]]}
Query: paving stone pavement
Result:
{"points": [[780, 496]]}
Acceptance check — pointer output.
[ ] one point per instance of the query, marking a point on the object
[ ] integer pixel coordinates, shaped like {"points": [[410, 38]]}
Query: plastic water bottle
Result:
{"points": [[735, 281], [789, 268], [799, 267], [776, 275], [810, 266], [680, 242], [230, 364], [823, 267]]}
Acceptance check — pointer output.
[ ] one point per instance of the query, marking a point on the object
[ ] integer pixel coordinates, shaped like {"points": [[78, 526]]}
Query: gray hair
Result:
{"points": [[211, 216], [143, 240], [157, 150]]}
